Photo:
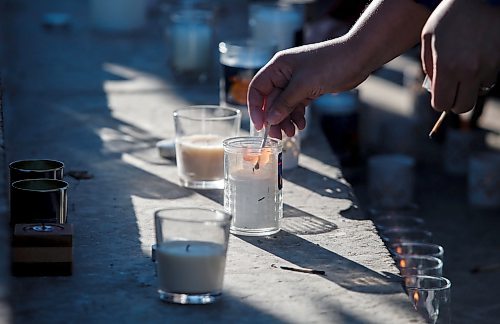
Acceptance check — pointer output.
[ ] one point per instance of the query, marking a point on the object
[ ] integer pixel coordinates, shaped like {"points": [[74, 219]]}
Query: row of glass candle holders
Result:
{"points": [[419, 261]]}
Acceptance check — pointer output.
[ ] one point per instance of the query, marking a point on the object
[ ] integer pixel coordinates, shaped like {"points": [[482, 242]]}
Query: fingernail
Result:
{"points": [[274, 117]]}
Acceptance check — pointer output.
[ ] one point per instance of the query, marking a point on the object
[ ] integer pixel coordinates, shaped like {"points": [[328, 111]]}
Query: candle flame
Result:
{"points": [[399, 250], [253, 157], [402, 263], [416, 296]]}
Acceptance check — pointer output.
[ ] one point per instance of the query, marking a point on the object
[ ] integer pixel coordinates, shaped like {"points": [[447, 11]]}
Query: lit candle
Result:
{"points": [[253, 195], [200, 157], [190, 267]]}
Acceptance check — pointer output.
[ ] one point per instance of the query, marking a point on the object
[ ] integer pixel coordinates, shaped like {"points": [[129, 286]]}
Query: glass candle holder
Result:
{"points": [[394, 235], [411, 265], [394, 221], [431, 297], [253, 185], [199, 132], [190, 38], [240, 60], [191, 248], [417, 248]]}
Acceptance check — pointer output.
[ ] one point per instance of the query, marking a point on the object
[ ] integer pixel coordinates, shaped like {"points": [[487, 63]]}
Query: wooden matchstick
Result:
{"points": [[304, 270], [438, 124]]}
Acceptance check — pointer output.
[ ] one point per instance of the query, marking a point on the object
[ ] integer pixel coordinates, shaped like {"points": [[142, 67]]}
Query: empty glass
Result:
{"points": [[394, 221], [417, 248], [431, 297], [393, 235], [412, 265]]}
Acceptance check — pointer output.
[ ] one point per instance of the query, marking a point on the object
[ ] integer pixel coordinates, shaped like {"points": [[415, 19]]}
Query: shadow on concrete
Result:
{"points": [[340, 270]]}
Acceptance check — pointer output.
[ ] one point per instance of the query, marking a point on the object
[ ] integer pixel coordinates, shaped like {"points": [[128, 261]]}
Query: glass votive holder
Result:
{"points": [[240, 60], [190, 41], [199, 132], [276, 23], [417, 248], [412, 265], [431, 297], [391, 180], [395, 235], [253, 185], [395, 221], [191, 248]]}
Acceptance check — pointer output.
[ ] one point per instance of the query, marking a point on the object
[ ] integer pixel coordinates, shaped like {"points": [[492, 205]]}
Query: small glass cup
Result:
{"points": [[417, 248], [431, 297], [394, 235], [199, 132], [190, 38], [191, 247], [393, 221], [253, 185], [412, 265]]}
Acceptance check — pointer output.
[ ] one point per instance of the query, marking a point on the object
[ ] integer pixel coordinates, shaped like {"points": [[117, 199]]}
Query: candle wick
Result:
{"points": [[187, 248]]}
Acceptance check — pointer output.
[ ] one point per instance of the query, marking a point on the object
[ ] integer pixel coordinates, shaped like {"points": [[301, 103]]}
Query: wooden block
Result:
{"points": [[42, 250]]}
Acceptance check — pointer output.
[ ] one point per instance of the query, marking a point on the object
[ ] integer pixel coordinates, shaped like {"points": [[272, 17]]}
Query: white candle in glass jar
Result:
{"points": [[190, 267], [200, 157], [254, 198], [191, 46]]}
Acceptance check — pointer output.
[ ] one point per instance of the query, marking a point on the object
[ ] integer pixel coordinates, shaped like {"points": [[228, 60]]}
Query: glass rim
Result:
{"points": [[225, 218], [439, 263], [272, 143], [420, 244], [61, 184], [58, 165], [235, 112], [245, 44], [433, 278], [396, 230]]}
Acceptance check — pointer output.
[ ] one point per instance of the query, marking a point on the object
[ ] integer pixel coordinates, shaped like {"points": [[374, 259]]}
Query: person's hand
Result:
{"points": [[280, 91], [461, 52]]}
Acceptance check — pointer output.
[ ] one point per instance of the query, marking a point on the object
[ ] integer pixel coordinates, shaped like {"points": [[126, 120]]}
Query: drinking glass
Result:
{"points": [[411, 265], [417, 248]]}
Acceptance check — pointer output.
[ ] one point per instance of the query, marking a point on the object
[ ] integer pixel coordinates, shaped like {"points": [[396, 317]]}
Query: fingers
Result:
{"points": [[444, 91], [286, 102], [426, 55], [466, 97], [298, 117]]}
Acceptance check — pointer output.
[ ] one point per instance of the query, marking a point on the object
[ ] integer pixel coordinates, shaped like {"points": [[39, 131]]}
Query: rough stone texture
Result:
{"points": [[100, 103]]}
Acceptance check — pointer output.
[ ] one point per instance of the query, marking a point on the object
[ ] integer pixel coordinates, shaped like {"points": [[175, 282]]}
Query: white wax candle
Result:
{"points": [[190, 267], [191, 46], [275, 24], [200, 157], [254, 197]]}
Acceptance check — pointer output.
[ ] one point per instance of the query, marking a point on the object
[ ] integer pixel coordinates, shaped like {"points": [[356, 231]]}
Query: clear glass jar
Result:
{"points": [[240, 60], [190, 41], [253, 185]]}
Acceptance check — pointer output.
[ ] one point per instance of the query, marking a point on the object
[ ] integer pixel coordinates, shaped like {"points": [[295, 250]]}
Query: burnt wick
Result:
{"points": [[262, 198], [187, 248]]}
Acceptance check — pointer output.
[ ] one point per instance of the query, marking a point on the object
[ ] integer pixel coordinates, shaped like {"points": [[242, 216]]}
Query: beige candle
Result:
{"points": [[200, 157], [190, 267]]}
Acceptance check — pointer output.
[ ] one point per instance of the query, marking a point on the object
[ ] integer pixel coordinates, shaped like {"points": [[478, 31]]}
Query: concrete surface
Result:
{"points": [[100, 103]]}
